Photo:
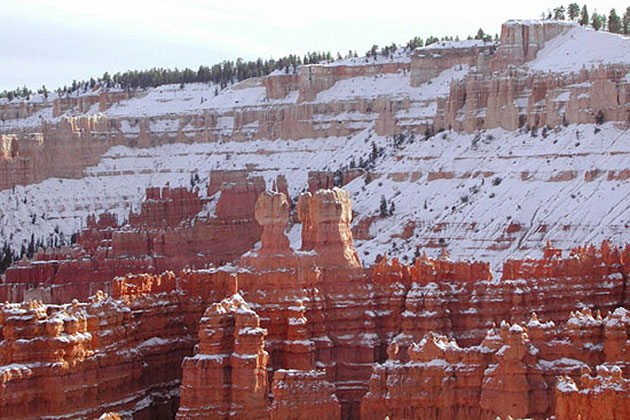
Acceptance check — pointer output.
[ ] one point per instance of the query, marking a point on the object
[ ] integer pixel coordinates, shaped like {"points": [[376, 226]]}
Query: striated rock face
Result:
{"points": [[522, 39], [303, 395], [228, 374], [317, 78], [345, 323], [272, 214], [518, 98], [81, 359], [321, 180], [427, 63], [311, 332], [332, 339]]}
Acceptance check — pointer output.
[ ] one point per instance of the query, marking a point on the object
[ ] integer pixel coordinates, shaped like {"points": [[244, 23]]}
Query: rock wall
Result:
{"points": [[316, 78], [495, 94], [327, 316], [517, 98], [427, 63], [522, 39], [79, 360], [603, 396], [305, 395]]}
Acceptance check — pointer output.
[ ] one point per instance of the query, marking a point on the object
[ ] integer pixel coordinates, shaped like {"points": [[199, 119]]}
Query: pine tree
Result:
{"points": [[596, 22], [431, 40], [584, 18], [558, 13], [383, 206], [573, 11], [626, 22], [614, 22], [31, 247]]}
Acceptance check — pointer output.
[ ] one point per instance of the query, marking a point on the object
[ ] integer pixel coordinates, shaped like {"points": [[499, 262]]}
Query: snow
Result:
{"points": [[393, 85], [155, 342], [400, 55], [581, 47], [194, 97], [563, 365], [566, 384], [595, 208], [467, 43]]}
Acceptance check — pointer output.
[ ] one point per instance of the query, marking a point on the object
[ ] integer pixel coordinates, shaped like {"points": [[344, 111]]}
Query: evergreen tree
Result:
{"points": [[558, 13], [584, 18], [480, 34], [383, 206], [431, 40], [626, 22], [573, 11], [6, 257], [596, 21], [31, 247], [614, 22]]}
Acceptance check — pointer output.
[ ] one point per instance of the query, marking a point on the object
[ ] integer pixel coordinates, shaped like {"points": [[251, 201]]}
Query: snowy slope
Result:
{"points": [[592, 211], [581, 47]]}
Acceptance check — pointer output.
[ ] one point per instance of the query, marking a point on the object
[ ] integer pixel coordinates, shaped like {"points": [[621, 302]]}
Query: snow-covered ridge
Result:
{"points": [[463, 44], [582, 48]]}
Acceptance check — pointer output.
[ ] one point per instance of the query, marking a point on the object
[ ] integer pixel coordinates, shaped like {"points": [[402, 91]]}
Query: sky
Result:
{"points": [[51, 43]]}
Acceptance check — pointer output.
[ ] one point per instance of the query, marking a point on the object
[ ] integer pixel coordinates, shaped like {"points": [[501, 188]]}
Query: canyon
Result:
{"points": [[298, 333], [348, 240]]}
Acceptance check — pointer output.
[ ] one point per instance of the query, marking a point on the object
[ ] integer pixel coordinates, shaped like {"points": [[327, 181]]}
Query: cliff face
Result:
{"points": [[603, 396], [347, 124], [79, 359], [343, 322], [517, 99], [293, 107]]}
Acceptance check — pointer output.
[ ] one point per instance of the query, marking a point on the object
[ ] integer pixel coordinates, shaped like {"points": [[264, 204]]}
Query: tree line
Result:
{"points": [[612, 22], [221, 74]]}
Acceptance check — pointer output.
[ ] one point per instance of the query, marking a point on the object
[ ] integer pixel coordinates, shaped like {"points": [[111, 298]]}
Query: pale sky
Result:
{"points": [[52, 42]]}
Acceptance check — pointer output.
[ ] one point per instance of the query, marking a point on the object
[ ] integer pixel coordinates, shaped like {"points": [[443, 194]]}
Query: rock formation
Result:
{"points": [[326, 217], [604, 396], [508, 374], [303, 395], [166, 233], [81, 359], [229, 372]]}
